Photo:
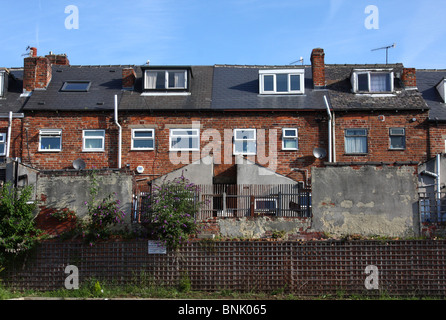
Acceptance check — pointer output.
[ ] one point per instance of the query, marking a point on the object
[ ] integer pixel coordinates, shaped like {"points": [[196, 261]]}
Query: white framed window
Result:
{"points": [[245, 142], [2, 83], [143, 139], [184, 139], [281, 81], [2, 144], [50, 140], [372, 81], [289, 139], [165, 79], [93, 140], [397, 138], [356, 141], [265, 204]]}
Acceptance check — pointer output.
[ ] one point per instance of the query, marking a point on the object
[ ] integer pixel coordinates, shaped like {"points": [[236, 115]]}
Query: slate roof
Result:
{"points": [[237, 87], [427, 81], [342, 98], [106, 81], [199, 98], [12, 100]]}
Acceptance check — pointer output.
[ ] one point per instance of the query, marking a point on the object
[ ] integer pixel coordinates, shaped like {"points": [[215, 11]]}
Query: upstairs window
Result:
{"points": [[245, 142], [93, 140], [184, 139], [50, 140], [289, 139], [281, 81], [165, 79], [369, 81], [2, 144], [143, 139], [397, 138], [355, 141], [76, 86]]}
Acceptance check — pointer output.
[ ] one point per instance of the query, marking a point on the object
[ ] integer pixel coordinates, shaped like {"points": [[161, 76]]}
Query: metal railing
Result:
{"points": [[241, 200], [432, 207]]}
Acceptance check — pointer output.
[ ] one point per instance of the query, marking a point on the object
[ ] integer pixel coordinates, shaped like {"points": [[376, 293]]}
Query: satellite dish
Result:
{"points": [[79, 164], [319, 153], [140, 169]]}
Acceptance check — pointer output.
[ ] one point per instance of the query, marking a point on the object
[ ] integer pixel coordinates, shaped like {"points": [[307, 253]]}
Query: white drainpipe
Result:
{"points": [[120, 132], [9, 134], [330, 155], [438, 170]]}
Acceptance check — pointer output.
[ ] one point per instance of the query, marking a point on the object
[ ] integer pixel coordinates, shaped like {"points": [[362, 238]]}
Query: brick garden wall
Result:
{"points": [[311, 268]]}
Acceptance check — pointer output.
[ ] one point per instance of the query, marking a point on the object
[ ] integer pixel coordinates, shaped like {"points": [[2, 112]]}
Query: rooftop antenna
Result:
{"points": [[387, 50], [300, 60]]}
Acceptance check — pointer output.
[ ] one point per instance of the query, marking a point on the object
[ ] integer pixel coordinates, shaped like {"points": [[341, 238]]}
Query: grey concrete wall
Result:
{"points": [[72, 191], [249, 172], [368, 201], [198, 172]]}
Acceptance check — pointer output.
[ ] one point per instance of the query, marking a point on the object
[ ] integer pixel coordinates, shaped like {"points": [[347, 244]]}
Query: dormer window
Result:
{"points": [[281, 81], [441, 87], [165, 79], [2, 83], [372, 81]]}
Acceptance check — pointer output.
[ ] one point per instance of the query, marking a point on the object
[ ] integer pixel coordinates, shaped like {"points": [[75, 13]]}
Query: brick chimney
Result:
{"points": [[58, 59], [128, 78], [409, 78], [33, 52], [36, 72], [318, 67]]}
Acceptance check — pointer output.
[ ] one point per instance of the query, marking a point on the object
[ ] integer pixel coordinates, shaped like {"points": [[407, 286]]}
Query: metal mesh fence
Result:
{"points": [[312, 268]]}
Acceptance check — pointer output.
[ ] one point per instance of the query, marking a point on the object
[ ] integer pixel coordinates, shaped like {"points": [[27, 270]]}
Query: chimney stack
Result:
{"points": [[409, 78], [128, 78], [33, 52], [318, 67], [58, 59], [36, 72]]}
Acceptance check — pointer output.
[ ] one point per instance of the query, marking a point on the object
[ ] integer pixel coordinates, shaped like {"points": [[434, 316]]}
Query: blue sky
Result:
{"points": [[198, 32]]}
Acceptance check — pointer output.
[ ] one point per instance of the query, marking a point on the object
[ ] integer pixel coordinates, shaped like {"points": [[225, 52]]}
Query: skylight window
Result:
{"points": [[76, 86], [281, 81]]}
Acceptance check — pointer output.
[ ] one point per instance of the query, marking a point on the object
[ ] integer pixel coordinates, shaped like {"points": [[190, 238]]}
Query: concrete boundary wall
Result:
{"points": [[369, 200]]}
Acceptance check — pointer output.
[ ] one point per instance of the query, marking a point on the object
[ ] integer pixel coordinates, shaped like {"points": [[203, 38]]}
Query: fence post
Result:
{"points": [[279, 204], [251, 206]]}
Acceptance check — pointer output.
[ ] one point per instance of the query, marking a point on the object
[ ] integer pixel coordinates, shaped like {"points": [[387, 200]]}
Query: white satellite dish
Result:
{"points": [[140, 169], [79, 164], [319, 153]]}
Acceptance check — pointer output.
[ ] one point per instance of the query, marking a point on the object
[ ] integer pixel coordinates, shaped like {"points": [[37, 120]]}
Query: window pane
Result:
{"points": [[50, 143], [397, 142], [143, 144], [94, 133], [363, 82], [397, 131], [290, 143], [289, 133], [356, 144], [184, 143], [245, 147], [244, 134], [2, 148], [76, 86], [185, 132], [177, 79], [93, 143], [142, 134], [355, 132], [160, 80], [268, 83], [295, 82], [379, 82], [281, 82]]}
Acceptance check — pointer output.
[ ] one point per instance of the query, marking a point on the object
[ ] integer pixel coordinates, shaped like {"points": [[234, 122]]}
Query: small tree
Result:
{"points": [[18, 232], [174, 209]]}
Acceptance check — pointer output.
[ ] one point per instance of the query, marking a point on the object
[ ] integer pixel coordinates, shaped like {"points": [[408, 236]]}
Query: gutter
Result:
{"points": [[120, 133]]}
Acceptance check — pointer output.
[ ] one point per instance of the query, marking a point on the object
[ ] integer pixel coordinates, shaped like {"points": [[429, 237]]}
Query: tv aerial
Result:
{"points": [[387, 50], [300, 60]]}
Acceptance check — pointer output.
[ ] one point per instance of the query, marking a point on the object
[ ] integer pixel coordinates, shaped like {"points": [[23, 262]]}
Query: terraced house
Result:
{"points": [[250, 135]]}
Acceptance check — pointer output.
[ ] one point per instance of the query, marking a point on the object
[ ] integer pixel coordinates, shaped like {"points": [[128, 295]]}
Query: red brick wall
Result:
{"points": [[312, 133], [437, 138], [417, 144], [16, 133]]}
